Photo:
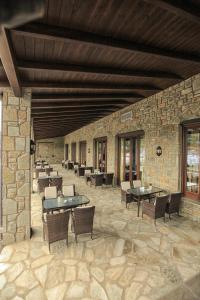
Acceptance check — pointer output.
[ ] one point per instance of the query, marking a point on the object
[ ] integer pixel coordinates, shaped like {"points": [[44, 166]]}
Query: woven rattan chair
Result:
{"points": [[50, 192], [173, 205], [54, 173], [42, 184], [57, 181], [108, 179], [97, 179], [137, 183], [125, 195], [157, 209], [82, 219], [68, 190], [55, 228]]}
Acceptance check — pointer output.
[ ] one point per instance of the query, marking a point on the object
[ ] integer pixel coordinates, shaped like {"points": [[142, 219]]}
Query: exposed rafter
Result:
{"points": [[8, 62], [54, 33], [85, 96], [89, 85], [50, 67], [179, 8], [65, 104]]}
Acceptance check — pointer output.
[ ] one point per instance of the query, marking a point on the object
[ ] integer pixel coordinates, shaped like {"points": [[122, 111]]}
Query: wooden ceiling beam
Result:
{"points": [[52, 67], [179, 8], [78, 104], [74, 117], [35, 111], [89, 85], [8, 62], [57, 33], [85, 96]]}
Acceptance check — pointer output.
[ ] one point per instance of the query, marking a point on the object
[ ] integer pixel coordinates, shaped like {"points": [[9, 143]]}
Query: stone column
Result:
{"points": [[16, 183]]}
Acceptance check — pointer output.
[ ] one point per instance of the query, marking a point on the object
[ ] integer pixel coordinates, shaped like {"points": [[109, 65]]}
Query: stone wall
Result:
{"points": [[159, 116], [51, 150], [16, 167]]}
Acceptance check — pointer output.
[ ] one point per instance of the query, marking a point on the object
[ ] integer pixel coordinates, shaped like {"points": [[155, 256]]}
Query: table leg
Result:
{"points": [[138, 207]]}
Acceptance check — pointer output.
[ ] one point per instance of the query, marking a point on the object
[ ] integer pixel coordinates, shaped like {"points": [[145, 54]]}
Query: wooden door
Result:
{"points": [[73, 152]]}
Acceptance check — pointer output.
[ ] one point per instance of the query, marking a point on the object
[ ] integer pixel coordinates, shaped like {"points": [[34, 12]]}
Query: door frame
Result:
{"points": [[185, 126], [80, 144], [138, 134], [99, 139]]}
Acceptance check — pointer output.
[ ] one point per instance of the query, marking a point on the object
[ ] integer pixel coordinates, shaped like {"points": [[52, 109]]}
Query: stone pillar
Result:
{"points": [[16, 183]]}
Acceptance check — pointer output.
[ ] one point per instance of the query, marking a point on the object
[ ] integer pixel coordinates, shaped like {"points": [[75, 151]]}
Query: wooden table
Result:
{"points": [[49, 181]]}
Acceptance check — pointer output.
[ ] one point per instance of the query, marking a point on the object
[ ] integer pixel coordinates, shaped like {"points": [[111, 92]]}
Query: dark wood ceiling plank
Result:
{"points": [[88, 85], [98, 70], [78, 104], [72, 110], [85, 96], [55, 33], [179, 8], [9, 63]]}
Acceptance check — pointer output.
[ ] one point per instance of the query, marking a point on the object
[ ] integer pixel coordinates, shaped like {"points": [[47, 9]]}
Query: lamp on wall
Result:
{"points": [[32, 147], [159, 151]]}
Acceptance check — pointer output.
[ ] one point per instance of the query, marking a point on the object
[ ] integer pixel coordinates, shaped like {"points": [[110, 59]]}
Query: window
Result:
{"points": [[191, 160]]}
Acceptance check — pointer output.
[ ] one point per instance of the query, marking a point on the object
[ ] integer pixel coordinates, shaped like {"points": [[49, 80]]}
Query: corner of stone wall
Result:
{"points": [[16, 192]]}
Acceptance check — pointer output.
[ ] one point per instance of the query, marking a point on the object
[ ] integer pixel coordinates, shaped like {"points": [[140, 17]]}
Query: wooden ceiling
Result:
{"points": [[86, 59]]}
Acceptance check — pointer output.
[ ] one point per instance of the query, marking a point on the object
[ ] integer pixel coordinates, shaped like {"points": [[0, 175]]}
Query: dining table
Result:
{"points": [[64, 202], [46, 181], [144, 192]]}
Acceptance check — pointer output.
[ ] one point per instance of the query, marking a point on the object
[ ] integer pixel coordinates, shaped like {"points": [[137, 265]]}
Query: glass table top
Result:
{"points": [[65, 202], [144, 191]]}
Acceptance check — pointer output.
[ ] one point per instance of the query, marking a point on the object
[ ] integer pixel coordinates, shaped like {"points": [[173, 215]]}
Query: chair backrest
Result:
{"points": [[83, 219], [42, 174], [160, 205], [87, 172], [75, 167], [50, 192], [98, 179], [125, 185], [137, 183], [38, 167], [109, 178], [68, 190], [96, 171], [174, 203], [57, 226], [54, 173], [82, 165], [46, 166]]}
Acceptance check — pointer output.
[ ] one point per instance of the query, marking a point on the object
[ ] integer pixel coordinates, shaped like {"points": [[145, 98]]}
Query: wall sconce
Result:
{"points": [[88, 150], [32, 147], [159, 151]]}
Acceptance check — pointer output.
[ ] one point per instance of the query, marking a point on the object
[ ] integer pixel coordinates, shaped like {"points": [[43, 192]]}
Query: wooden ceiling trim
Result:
{"points": [[85, 96], [71, 113], [78, 104], [49, 117], [57, 33], [9, 63], [71, 109], [89, 85], [52, 67], [179, 8]]}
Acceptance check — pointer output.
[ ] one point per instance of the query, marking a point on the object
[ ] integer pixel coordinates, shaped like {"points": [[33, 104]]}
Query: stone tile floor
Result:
{"points": [[129, 258]]}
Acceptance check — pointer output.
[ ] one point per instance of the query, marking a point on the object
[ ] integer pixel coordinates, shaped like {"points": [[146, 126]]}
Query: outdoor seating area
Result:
{"points": [[99, 150]]}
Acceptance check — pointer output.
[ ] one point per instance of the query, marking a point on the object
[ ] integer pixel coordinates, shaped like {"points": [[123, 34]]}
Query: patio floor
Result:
{"points": [[129, 258]]}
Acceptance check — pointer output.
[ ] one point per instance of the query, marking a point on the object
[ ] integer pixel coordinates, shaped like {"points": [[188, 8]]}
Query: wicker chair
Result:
{"points": [[54, 173], [173, 205], [50, 192], [48, 170], [137, 183], [157, 209], [55, 228], [57, 181], [125, 196], [97, 179], [42, 184], [108, 179], [87, 176], [68, 190], [82, 219]]}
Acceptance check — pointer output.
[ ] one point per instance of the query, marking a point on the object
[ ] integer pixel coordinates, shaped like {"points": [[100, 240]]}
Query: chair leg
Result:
{"points": [[164, 217], [91, 235], [49, 248], [142, 215], [170, 216], [76, 238], [154, 221]]}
